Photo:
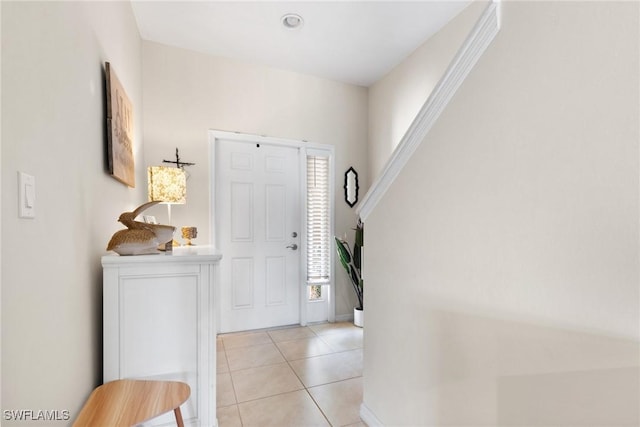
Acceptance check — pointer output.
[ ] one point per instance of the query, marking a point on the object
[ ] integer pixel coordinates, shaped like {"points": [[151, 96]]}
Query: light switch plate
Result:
{"points": [[26, 195]]}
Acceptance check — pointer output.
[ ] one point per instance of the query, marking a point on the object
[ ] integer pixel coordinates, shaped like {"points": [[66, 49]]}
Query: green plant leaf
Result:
{"points": [[359, 241], [351, 261], [343, 252], [354, 274]]}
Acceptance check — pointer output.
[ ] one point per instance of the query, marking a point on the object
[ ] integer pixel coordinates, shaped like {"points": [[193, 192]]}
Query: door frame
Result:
{"points": [[303, 148]]}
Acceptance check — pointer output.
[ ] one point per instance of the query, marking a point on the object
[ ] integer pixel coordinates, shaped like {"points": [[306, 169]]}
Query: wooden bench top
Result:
{"points": [[131, 402]]}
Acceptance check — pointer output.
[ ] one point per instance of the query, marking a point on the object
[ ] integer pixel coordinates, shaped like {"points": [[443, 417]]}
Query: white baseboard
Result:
{"points": [[344, 317], [367, 416]]}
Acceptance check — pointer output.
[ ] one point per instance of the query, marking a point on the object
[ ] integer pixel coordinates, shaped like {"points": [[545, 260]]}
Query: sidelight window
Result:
{"points": [[318, 225]]}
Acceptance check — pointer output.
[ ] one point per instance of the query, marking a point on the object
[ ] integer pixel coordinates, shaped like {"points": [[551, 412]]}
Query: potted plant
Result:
{"points": [[351, 260]]}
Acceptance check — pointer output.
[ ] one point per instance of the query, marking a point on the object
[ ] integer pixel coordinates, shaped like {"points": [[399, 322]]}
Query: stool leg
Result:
{"points": [[178, 417]]}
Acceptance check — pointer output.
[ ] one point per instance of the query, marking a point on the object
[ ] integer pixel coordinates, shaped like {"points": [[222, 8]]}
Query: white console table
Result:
{"points": [[160, 323]]}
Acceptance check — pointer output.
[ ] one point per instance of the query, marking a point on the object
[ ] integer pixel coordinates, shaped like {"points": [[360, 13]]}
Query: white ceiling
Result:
{"points": [[355, 42]]}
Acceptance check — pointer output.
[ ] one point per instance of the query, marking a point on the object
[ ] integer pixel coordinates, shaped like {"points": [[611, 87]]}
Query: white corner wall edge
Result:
{"points": [[367, 416], [472, 49]]}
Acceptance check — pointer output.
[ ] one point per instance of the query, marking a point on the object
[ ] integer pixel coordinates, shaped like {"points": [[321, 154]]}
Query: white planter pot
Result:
{"points": [[358, 317]]}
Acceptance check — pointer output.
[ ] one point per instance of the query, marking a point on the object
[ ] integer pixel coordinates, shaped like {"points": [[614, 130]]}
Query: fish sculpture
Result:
{"points": [[139, 238]]}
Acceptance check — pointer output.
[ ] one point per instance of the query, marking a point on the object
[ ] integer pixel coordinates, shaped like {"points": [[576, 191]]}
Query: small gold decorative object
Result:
{"points": [[140, 237], [189, 233]]}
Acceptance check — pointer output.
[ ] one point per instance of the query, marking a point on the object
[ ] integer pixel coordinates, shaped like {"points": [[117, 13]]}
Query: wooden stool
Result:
{"points": [[131, 402]]}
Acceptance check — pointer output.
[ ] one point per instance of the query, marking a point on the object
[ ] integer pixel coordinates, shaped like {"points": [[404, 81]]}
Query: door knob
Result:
{"points": [[293, 247]]}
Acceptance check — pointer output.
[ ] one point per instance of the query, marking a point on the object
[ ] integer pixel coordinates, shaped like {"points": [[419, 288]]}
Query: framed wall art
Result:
{"points": [[119, 130]]}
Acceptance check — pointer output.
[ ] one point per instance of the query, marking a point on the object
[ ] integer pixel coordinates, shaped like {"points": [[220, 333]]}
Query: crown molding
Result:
{"points": [[480, 37]]}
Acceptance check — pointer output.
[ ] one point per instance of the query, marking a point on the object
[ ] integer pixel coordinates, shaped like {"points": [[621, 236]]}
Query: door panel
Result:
{"points": [[242, 282], [275, 206], [275, 280], [241, 212], [258, 210]]}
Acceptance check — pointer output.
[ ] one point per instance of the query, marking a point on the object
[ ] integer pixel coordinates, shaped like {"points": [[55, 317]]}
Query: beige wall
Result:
{"points": [[187, 93], [53, 117], [511, 296], [394, 100]]}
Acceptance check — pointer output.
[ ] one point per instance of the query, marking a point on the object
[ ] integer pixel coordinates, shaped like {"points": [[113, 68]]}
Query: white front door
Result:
{"points": [[258, 231]]}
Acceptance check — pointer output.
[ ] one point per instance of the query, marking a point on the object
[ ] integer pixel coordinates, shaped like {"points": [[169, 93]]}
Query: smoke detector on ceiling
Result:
{"points": [[292, 21]]}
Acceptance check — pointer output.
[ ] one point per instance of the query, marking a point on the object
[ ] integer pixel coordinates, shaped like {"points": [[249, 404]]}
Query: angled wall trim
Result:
{"points": [[472, 49], [368, 417]]}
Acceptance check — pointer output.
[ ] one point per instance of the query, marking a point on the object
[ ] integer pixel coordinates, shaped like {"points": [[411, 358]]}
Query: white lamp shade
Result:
{"points": [[167, 184]]}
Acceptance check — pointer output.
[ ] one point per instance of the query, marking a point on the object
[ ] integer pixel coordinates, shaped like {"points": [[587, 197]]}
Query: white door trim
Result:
{"points": [[305, 147]]}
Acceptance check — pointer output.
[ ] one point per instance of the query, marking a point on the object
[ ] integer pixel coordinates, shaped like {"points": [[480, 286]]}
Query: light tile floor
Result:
{"points": [[297, 376]]}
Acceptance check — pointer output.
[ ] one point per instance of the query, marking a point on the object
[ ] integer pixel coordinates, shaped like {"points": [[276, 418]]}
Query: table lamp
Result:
{"points": [[167, 185]]}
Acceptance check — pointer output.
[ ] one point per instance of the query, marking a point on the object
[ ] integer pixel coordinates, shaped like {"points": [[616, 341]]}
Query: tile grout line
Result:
{"points": [[300, 379], [304, 387], [272, 341], [233, 386]]}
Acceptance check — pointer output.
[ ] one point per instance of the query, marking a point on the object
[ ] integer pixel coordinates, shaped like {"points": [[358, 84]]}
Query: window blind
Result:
{"points": [[318, 239]]}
